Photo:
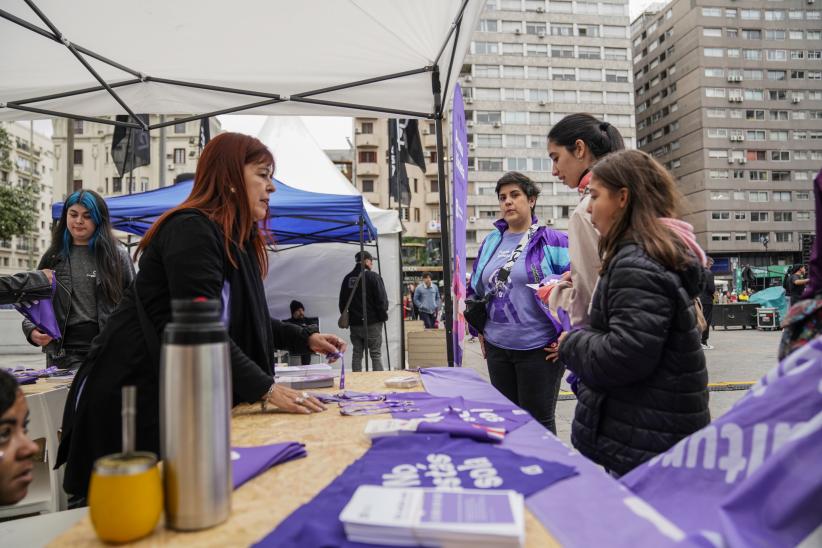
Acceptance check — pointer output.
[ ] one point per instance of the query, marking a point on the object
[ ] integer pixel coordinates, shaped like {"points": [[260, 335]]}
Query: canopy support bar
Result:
{"points": [[73, 93], [364, 82], [55, 114], [210, 87], [445, 237], [85, 63], [362, 107], [454, 26]]}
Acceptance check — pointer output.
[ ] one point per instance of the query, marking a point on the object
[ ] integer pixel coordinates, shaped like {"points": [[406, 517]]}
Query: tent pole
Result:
{"points": [[385, 324], [396, 182], [363, 284], [445, 237]]}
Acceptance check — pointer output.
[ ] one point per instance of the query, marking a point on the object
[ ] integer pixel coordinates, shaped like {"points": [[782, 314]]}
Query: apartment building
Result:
{"points": [[30, 160], [729, 98], [174, 151], [421, 218]]}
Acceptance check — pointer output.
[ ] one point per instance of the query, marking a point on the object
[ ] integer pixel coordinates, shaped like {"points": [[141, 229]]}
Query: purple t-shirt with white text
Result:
{"points": [[515, 320]]}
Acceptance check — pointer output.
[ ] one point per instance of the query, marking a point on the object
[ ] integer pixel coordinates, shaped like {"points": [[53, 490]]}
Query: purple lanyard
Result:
{"points": [[376, 408], [338, 355]]}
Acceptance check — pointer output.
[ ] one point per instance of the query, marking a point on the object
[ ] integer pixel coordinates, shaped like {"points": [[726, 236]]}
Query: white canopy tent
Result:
{"points": [[92, 58], [312, 274]]}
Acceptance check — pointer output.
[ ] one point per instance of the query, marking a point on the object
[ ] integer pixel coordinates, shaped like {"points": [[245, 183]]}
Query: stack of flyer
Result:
{"points": [[301, 377], [417, 516]]}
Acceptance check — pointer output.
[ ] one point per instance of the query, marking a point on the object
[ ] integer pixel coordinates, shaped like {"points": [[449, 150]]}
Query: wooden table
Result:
{"points": [[332, 441]]}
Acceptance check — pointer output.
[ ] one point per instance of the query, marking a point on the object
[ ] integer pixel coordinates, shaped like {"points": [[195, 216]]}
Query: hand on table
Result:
{"points": [[291, 401], [39, 338], [323, 343], [553, 348]]}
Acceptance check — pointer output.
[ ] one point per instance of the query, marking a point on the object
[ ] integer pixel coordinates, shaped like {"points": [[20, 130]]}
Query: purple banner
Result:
{"points": [[459, 152], [751, 477], [589, 509]]}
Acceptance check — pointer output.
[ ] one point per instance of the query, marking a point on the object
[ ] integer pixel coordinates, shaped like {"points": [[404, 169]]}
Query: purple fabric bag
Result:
{"points": [[753, 476], [41, 313], [250, 462], [415, 460]]}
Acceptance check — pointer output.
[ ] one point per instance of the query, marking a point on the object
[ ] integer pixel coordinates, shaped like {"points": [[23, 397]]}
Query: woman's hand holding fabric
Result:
{"points": [[39, 338]]}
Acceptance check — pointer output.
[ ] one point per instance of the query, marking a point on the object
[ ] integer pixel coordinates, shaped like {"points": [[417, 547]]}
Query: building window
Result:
{"points": [[720, 236], [781, 196], [759, 216], [435, 185], [368, 185], [783, 216], [180, 127], [77, 184], [78, 156], [720, 195], [784, 237], [758, 196], [367, 128], [116, 184], [416, 214], [179, 155], [368, 156], [78, 127]]}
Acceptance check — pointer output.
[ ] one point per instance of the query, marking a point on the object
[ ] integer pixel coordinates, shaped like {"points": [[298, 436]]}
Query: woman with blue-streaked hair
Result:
{"points": [[92, 270]]}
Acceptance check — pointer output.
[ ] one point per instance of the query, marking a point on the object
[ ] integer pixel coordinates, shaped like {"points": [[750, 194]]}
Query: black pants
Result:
{"points": [[525, 378], [707, 312], [428, 319]]}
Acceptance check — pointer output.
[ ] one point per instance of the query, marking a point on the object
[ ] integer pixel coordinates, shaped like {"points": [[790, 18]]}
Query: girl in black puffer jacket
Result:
{"points": [[643, 385]]}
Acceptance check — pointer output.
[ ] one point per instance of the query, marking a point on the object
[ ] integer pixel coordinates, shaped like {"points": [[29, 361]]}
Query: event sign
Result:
{"points": [[459, 152]]}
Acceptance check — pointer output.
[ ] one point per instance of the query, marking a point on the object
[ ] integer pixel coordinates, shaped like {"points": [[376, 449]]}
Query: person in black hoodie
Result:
{"points": [[213, 245], [643, 385], [376, 302]]}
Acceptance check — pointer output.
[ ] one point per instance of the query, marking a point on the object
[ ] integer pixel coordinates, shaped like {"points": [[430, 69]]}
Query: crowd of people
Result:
{"points": [[619, 301]]}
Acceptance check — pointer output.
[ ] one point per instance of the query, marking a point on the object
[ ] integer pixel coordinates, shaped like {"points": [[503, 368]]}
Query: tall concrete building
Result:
{"points": [[531, 63], [94, 169], [729, 98], [421, 218], [29, 159]]}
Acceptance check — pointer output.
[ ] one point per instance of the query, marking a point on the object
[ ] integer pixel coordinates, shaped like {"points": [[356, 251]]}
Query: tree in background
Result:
{"points": [[18, 213]]}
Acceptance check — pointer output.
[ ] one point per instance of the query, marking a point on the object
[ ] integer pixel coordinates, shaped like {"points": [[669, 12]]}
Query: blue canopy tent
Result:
{"points": [[298, 217]]}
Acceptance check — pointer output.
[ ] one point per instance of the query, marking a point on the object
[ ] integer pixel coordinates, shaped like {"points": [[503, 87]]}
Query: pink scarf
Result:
{"points": [[685, 232], [583, 183]]}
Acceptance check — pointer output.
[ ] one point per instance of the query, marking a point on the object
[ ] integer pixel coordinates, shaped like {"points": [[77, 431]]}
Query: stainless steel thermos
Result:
{"points": [[195, 392]]}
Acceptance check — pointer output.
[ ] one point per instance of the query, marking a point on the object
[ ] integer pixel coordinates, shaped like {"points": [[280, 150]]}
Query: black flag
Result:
{"points": [[205, 132], [130, 148], [399, 189], [410, 144]]}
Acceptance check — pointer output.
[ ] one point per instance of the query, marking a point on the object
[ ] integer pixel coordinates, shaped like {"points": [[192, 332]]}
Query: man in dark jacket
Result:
{"points": [[376, 312], [707, 300], [298, 318]]}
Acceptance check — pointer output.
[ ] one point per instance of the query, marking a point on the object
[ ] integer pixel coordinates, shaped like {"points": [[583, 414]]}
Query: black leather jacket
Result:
{"points": [[64, 295], [25, 286]]}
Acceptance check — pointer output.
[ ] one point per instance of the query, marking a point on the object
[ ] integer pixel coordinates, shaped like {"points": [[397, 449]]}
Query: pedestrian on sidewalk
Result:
{"points": [[706, 298], [427, 300], [362, 339]]}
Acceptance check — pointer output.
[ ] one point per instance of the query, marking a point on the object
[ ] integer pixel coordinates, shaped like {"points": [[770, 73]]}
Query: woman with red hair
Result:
{"points": [[213, 245]]}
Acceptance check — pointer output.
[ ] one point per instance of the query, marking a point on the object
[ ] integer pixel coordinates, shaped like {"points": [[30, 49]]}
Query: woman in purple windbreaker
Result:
{"points": [[519, 330]]}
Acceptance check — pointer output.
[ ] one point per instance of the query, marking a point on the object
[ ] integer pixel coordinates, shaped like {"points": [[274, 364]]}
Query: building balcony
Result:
{"points": [[432, 198], [368, 169], [429, 141], [368, 140], [431, 169], [433, 227]]}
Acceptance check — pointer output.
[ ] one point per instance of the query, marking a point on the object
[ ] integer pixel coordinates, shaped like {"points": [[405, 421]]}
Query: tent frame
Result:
{"points": [[80, 53]]}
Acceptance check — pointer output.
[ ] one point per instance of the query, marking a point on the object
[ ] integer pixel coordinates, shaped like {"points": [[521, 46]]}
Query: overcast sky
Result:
{"points": [[329, 132]]}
